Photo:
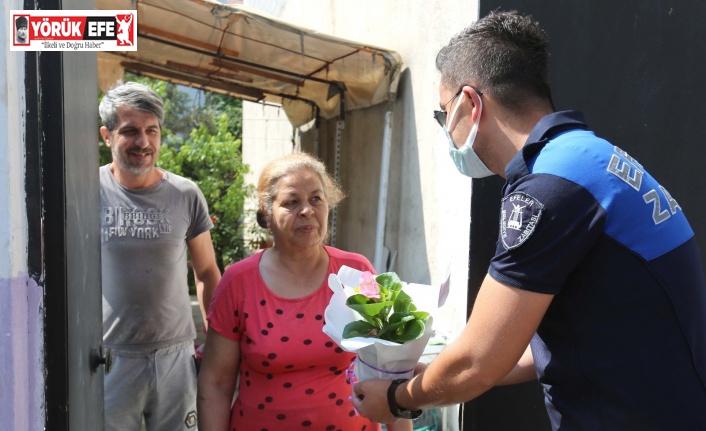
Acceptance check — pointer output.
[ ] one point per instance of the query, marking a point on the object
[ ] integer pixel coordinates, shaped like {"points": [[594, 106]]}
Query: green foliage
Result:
{"points": [[404, 324], [104, 155], [202, 142], [214, 163]]}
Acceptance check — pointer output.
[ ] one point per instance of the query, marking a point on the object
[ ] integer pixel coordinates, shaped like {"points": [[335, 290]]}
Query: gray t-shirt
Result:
{"points": [[146, 303]]}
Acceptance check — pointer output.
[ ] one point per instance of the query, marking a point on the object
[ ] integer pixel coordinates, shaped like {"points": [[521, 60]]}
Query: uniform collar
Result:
{"points": [[548, 127]]}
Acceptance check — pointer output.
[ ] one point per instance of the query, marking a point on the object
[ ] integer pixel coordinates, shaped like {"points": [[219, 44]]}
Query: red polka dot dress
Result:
{"points": [[292, 375]]}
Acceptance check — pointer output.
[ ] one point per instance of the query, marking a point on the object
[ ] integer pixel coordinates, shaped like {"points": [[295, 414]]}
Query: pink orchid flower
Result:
{"points": [[368, 285]]}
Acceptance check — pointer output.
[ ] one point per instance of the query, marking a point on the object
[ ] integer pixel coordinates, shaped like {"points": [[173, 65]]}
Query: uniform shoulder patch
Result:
{"points": [[519, 216]]}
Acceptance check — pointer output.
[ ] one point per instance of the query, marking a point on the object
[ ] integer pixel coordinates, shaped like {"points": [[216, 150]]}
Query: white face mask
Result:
{"points": [[465, 158]]}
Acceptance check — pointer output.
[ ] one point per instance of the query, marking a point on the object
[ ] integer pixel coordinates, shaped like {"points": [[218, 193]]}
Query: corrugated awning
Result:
{"points": [[233, 50]]}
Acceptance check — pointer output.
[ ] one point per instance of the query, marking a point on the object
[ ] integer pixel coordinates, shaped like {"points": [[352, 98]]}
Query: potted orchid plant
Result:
{"points": [[392, 334], [387, 311]]}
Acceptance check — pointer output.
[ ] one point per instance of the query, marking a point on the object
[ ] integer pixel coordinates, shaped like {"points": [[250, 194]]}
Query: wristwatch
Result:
{"points": [[394, 408]]}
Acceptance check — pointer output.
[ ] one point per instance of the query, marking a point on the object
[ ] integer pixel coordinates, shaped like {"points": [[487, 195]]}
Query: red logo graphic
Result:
{"points": [[125, 33]]}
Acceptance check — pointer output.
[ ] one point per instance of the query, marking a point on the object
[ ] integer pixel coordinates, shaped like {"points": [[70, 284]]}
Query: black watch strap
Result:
{"points": [[392, 402]]}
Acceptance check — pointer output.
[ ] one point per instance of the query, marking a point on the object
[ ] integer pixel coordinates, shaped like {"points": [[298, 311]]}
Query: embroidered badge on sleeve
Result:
{"points": [[519, 216]]}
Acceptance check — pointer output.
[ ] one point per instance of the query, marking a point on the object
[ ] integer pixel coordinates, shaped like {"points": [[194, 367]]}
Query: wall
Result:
{"points": [[428, 209], [267, 134], [21, 338]]}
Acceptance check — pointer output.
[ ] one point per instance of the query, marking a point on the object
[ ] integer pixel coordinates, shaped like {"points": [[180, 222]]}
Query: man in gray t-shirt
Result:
{"points": [[150, 218]]}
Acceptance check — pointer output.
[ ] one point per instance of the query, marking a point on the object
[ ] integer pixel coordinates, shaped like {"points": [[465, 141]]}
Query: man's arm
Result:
{"points": [[496, 336], [522, 372], [206, 272]]}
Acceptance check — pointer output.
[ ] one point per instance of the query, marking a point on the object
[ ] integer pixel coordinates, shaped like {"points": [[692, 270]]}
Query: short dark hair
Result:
{"points": [[505, 54]]}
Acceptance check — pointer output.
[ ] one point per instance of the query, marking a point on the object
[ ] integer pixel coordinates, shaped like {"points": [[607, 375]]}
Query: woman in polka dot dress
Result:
{"points": [[267, 314]]}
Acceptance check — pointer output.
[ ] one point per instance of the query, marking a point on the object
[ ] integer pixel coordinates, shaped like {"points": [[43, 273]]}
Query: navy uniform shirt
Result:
{"points": [[623, 343]]}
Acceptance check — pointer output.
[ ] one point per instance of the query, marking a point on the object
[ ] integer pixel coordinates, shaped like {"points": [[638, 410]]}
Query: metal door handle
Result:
{"points": [[99, 357]]}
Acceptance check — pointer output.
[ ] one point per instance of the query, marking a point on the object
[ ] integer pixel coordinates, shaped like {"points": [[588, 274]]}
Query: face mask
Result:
{"points": [[466, 160]]}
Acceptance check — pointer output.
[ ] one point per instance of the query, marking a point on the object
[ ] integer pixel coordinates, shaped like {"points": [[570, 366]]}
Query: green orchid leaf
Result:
{"points": [[421, 315], [391, 281], [411, 330], [368, 307], [384, 293], [360, 328], [403, 303], [360, 299], [404, 327], [373, 320], [385, 311], [400, 318]]}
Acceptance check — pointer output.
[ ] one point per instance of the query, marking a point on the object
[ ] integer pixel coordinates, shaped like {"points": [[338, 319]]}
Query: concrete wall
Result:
{"points": [[21, 339], [267, 134], [428, 210]]}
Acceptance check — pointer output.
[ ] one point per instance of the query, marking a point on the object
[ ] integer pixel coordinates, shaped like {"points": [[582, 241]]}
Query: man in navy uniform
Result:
{"points": [[596, 287]]}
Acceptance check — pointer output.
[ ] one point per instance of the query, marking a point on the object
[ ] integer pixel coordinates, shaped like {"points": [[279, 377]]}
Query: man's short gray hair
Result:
{"points": [[133, 95]]}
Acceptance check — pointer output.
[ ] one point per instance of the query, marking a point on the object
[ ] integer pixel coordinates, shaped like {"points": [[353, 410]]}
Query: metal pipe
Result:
{"points": [[340, 125], [379, 260]]}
